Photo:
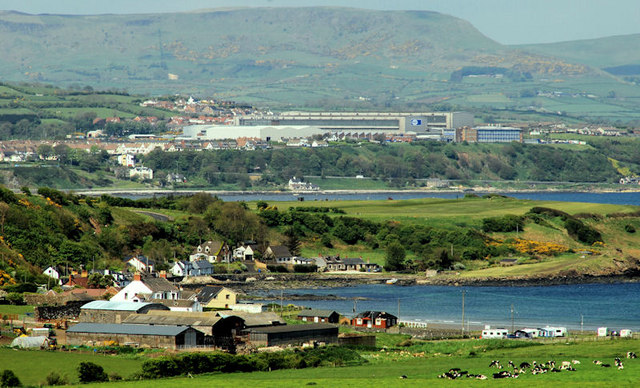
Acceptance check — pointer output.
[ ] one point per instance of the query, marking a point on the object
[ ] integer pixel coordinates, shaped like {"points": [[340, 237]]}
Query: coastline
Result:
{"points": [[474, 190]]}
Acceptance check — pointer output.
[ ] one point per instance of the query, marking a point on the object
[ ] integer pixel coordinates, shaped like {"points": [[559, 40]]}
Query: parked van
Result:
{"points": [[494, 333]]}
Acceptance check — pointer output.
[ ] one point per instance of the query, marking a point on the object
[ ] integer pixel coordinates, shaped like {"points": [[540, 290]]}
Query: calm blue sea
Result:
{"points": [[616, 306], [611, 198]]}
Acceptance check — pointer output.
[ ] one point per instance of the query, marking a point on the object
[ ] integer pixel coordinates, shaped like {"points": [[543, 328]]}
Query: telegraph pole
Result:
{"points": [[512, 320], [581, 323], [463, 292], [398, 308]]}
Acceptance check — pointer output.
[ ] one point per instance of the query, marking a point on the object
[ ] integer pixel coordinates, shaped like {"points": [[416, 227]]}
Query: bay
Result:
{"points": [[616, 306]]}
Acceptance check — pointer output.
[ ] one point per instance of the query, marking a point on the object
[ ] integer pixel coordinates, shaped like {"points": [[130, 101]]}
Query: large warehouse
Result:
{"points": [[263, 132], [364, 121]]}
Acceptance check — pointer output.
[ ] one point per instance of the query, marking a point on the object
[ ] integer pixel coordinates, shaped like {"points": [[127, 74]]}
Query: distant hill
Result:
{"points": [[257, 54], [603, 52]]}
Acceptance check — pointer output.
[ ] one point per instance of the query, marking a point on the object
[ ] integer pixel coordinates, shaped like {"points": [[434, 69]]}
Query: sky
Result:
{"points": [[505, 21]]}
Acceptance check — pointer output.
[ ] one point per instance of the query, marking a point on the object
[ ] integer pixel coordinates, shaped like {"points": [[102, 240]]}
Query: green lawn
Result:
{"points": [[422, 369], [11, 309], [32, 366]]}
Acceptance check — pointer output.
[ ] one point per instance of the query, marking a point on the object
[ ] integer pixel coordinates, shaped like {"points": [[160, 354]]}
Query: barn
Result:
{"points": [[319, 316], [151, 336], [293, 334]]}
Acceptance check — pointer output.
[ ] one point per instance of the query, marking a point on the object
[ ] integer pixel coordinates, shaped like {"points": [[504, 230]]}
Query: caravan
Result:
{"points": [[489, 333]]}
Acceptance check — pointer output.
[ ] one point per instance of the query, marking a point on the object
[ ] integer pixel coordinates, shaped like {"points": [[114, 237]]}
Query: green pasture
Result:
{"points": [[12, 309], [350, 184], [384, 368], [460, 212], [33, 366]]}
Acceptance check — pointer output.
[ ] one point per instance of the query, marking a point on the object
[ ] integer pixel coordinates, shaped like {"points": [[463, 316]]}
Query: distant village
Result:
{"points": [[185, 307], [210, 125]]}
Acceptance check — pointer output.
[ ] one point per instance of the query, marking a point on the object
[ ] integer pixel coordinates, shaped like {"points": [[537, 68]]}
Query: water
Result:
{"points": [[610, 198], [612, 305]]}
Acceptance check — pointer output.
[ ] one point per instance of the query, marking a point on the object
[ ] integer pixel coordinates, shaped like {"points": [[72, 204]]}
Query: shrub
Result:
{"points": [[277, 268], [90, 372], [9, 379], [508, 223], [305, 268], [54, 378], [582, 232], [629, 228]]}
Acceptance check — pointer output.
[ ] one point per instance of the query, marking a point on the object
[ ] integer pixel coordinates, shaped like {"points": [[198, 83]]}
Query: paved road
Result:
{"points": [[155, 216]]}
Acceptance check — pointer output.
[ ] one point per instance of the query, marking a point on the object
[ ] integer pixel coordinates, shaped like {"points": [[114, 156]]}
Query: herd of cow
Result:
{"points": [[534, 368]]}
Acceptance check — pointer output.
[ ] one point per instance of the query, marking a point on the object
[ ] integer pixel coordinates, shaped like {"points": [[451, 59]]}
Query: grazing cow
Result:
{"points": [[496, 364], [605, 365], [501, 375], [631, 355], [575, 362], [525, 365], [403, 376], [597, 362], [565, 364], [617, 361], [620, 367], [511, 364]]}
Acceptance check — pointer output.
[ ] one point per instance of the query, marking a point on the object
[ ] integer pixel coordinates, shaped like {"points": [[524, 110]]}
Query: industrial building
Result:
{"points": [[168, 337], [296, 125], [386, 122], [488, 134]]}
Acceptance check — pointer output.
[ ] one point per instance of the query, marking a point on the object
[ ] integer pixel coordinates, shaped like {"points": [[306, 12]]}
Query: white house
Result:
{"points": [[142, 263], [192, 268], [213, 251], [141, 172], [52, 273], [244, 253], [127, 160], [142, 289]]}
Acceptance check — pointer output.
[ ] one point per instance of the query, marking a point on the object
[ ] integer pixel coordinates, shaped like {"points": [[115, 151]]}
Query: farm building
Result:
{"points": [[253, 320], [319, 316], [293, 334], [374, 319], [219, 331], [114, 312], [169, 337]]}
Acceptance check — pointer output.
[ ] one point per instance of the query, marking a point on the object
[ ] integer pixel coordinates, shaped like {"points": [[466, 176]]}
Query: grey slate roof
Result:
{"points": [[115, 328], [317, 313], [174, 319], [158, 284], [293, 328], [208, 293], [280, 251]]}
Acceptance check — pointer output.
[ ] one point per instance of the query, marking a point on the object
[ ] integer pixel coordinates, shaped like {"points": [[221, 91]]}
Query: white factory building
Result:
{"points": [[263, 132]]}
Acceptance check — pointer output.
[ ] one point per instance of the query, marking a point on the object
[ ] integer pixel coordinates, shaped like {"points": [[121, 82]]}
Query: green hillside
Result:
{"points": [[603, 52], [327, 58]]}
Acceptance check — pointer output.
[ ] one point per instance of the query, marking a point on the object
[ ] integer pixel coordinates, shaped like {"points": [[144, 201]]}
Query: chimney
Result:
{"points": [[137, 276], [163, 274]]}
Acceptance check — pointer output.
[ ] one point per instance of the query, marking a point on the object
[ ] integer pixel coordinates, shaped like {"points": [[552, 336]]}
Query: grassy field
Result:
{"points": [[33, 366], [440, 212], [11, 309], [422, 362]]}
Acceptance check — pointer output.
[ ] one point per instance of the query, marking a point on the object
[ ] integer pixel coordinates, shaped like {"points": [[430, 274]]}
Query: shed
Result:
{"points": [[252, 320], [104, 311], [153, 336], [293, 334], [319, 316]]}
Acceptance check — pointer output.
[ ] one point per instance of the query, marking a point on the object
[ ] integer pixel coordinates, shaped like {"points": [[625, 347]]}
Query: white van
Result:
{"points": [[494, 333], [603, 332]]}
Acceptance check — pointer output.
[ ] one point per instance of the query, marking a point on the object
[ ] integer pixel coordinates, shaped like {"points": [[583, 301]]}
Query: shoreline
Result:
{"points": [[475, 190]]}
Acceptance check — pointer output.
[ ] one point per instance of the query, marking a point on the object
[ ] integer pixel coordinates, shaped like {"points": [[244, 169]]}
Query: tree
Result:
{"points": [[292, 242], [9, 379], [45, 151], [89, 372], [394, 258]]}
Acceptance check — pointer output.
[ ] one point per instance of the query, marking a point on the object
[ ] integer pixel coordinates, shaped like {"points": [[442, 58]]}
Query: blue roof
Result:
{"points": [[115, 328], [115, 306]]}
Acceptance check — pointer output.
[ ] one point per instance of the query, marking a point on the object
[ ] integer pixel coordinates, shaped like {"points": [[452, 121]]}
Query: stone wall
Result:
{"points": [[69, 311], [97, 339], [357, 340]]}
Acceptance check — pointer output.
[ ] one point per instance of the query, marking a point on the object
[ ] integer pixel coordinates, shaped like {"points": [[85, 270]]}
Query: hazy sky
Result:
{"points": [[506, 21]]}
